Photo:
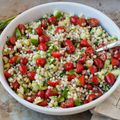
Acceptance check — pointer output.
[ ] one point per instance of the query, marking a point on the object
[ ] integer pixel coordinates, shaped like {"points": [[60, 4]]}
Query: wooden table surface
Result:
{"points": [[10, 109]]}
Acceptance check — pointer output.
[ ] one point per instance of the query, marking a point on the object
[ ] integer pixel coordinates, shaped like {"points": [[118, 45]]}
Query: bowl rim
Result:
{"points": [[58, 111]]}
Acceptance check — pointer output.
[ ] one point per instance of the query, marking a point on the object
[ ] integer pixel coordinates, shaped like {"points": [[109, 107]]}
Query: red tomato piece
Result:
{"points": [[85, 101], [43, 103], [115, 62], [50, 92], [82, 22], [110, 78], [7, 74], [15, 85], [70, 46], [30, 98], [93, 22], [24, 61], [42, 46], [44, 24], [71, 76], [12, 40], [13, 60], [98, 62], [79, 68], [68, 66], [22, 28], [52, 20], [23, 69], [91, 97], [39, 31], [29, 51], [84, 43], [56, 54], [103, 56], [69, 103], [53, 83], [62, 105], [89, 50], [117, 56], [82, 59], [40, 62], [93, 69], [95, 80], [60, 29], [89, 86], [74, 20], [31, 75], [41, 94], [82, 80], [43, 39]]}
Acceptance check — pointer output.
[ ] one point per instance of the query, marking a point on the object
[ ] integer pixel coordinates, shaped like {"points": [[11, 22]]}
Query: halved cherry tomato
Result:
{"points": [[43, 103], [43, 39], [110, 78], [13, 60], [41, 94], [82, 59], [98, 62], [40, 62], [79, 68], [53, 83], [31, 75], [42, 46], [93, 22], [39, 31], [56, 54], [91, 97], [60, 29], [95, 80], [71, 76], [24, 61], [115, 62], [70, 46], [15, 85], [52, 20], [7, 74], [84, 43], [22, 28], [89, 50], [30, 98], [93, 69], [82, 80], [12, 40], [68, 66], [50, 92], [74, 20], [82, 22]]}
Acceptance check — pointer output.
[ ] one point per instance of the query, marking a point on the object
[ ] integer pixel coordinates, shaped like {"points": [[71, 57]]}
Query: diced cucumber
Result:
{"points": [[34, 41], [35, 86], [57, 13], [107, 63], [61, 99], [77, 102], [71, 72], [116, 72], [18, 33]]}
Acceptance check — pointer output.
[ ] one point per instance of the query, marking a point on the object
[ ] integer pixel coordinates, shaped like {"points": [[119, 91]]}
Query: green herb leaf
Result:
{"points": [[18, 33]]}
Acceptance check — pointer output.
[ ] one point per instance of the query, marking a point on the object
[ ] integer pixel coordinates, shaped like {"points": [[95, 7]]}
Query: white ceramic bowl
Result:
{"points": [[37, 12]]}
